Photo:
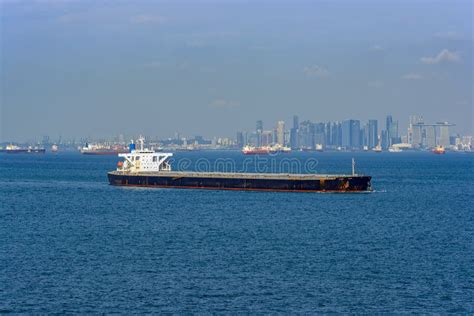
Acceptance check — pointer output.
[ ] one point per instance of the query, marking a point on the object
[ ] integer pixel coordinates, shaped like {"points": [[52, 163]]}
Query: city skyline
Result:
{"points": [[354, 134], [402, 127], [75, 68], [304, 134]]}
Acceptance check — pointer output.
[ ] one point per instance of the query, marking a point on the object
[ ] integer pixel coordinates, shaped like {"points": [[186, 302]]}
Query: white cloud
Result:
{"points": [[224, 104], [375, 84], [448, 35], [445, 56], [412, 76], [148, 19], [316, 71]]}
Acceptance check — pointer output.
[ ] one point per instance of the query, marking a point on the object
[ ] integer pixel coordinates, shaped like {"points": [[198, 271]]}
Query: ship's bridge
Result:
{"points": [[144, 160]]}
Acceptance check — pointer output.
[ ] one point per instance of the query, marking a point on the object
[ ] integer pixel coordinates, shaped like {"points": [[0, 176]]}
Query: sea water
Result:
{"points": [[71, 243]]}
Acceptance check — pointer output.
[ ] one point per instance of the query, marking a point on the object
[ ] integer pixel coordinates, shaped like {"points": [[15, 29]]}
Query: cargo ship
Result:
{"points": [[249, 150], [439, 150], [279, 149], [394, 149], [377, 149], [13, 149], [90, 149], [147, 168], [265, 150]]}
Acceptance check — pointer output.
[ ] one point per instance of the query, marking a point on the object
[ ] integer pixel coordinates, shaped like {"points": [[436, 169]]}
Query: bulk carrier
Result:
{"points": [[100, 150], [147, 168], [13, 149]]}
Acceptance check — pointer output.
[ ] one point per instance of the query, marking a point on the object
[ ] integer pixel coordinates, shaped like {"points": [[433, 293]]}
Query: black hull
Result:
{"points": [[293, 184], [23, 151]]}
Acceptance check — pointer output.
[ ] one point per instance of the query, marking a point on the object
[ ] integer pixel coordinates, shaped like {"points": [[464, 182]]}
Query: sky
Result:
{"points": [[103, 68]]}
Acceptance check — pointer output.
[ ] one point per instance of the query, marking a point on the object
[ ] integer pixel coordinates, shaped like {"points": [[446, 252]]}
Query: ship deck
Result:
{"points": [[236, 175]]}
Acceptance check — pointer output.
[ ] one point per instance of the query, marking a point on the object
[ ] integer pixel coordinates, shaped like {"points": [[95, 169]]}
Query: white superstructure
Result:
{"points": [[394, 149], [144, 160]]}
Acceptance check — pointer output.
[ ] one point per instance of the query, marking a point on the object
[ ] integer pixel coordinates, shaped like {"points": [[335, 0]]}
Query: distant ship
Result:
{"points": [[186, 148], [91, 149], [249, 150], [393, 149], [279, 149], [377, 149], [265, 150], [439, 150], [54, 148], [13, 149], [147, 168]]}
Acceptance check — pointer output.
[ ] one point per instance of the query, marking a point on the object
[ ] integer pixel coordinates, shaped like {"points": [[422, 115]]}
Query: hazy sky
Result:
{"points": [[87, 68]]}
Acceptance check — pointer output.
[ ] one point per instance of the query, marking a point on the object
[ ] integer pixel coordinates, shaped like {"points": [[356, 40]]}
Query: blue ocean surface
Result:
{"points": [[71, 243]]}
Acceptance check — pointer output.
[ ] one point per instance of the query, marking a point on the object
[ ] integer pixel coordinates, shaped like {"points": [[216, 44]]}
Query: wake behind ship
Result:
{"points": [[147, 168]]}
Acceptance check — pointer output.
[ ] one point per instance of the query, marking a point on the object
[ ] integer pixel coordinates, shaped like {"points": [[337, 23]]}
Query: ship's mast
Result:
{"points": [[142, 142]]}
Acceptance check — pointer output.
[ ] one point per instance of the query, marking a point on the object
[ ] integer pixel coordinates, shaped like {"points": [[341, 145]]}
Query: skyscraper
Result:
{"points": [[355, 134], [266, 138], [392, 131], [364, 135], [306, 135], [280, 133], [328, 134], [240, 139], [372, 140], [416, 135], [351, 134], [294, 137], [336, 134], [384, 140], [319, 133], [388, 124], [414, 130], [259, 126], [443, 134], [413, 119], [296, 122], [346, 134], [430, 136], [259, 130]]}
